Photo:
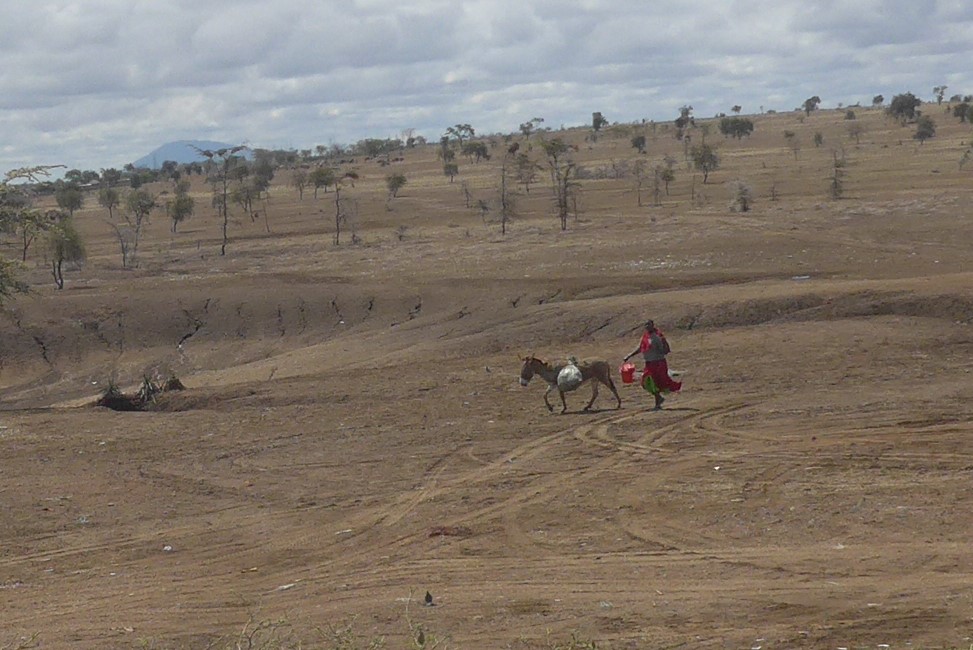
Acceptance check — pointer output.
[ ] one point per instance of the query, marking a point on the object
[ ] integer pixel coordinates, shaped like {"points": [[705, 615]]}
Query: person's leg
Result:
{"points": [[659, 399]]}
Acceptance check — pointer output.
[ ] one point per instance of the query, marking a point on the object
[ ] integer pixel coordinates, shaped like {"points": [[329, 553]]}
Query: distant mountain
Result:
{"points": [[182, 152]]}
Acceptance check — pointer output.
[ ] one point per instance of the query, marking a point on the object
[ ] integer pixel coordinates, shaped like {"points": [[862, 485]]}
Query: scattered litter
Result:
{"points": [[344, 532], [606, 604], [167, 549], [289, 585], [801, 277], [717, 468]]}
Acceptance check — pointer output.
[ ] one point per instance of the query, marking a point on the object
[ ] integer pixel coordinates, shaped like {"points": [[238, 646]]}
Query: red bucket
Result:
{"points": [[628, 373]]}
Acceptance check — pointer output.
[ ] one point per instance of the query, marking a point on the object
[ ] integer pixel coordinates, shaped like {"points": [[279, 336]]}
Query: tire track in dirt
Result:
{"points": [[539, 486]]}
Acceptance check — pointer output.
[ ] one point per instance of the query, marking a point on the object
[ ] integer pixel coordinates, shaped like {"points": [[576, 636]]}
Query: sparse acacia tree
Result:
{"points": [[109, 199], [221, 162], [837, 180], [793, 142], [508, 199], [181, 206], [461, 132], [666, 172], [855, 130], [299, 182], [64, 245], [14, 205], [638, 143], [526, 171], [705, 159], [342, 213], [638, 176], [394, 183], [139, 204], [741, 196], [528, 127], [562, 182]]}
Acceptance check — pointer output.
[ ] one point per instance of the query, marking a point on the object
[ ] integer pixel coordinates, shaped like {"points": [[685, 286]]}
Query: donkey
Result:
{"points": [[600, 371]]}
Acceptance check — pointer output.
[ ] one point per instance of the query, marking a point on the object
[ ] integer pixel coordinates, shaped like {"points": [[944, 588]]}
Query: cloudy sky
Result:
{"points": [[94, 84]]}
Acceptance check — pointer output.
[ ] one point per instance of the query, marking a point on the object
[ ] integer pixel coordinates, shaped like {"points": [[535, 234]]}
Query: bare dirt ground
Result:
{"points": [[353, 434]]}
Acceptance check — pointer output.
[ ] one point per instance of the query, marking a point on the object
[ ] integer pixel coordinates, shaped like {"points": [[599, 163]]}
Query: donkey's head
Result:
{"points": [[527, 371]]}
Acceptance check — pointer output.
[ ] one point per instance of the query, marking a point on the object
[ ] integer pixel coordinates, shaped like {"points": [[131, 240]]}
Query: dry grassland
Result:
{"points": [[353, 433]]}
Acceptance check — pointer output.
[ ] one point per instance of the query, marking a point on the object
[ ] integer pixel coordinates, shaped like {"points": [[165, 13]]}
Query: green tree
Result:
{"points": [[705, 159], [109, 199], [180, 207], [15, 206], [64, 245], [69, 198], [878, 100], [925, 129], [736, 127], [450, 169], [110, 177], [394, 183], [684, 121], [321, 177], [962, 111], [939, 92], [666, 174], [811, 104], [476, 151], [461, 132], [598, 121], [903, 107]]}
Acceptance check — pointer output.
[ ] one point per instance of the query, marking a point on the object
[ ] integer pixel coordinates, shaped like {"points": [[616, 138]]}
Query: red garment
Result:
{"points": [[658, 372]]}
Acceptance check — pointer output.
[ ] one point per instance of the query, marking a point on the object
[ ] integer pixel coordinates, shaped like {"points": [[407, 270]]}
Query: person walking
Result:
{"points": [[655, 376]]}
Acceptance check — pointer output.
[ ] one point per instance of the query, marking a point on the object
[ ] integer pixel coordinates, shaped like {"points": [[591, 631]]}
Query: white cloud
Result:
{"points": [[100, 83]]}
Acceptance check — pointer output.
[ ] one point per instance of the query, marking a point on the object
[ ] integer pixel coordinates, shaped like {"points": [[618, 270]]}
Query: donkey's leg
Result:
{"points": [[547, 392], [594, 395], [564, 404], [611, 385]]}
